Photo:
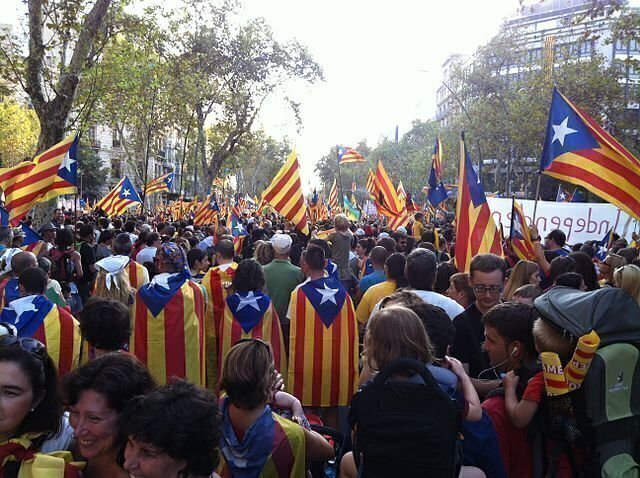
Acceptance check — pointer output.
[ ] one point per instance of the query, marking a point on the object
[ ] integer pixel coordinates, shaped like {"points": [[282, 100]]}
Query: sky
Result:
{"points": [[381, 62]]}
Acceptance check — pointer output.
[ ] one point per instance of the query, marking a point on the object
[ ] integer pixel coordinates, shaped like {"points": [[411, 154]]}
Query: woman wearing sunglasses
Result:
{"points": [[30, 411]]}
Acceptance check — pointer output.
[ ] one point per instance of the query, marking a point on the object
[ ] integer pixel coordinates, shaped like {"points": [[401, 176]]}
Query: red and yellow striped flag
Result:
{"points": [[137, 273], [323, 344], [50, 174], [333, 197], [349, 155], [401, 220], [519, 236], [386, 197], [167, 336], [371, 184], [285, 194], [251, 315]]}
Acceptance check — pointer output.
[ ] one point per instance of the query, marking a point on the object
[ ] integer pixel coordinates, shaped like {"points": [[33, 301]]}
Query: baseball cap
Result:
{"points": [[281, 243]]}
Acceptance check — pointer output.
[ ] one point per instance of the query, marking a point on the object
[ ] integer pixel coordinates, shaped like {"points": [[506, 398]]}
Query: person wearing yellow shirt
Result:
{"points": [[418, 227], [394, 271]]}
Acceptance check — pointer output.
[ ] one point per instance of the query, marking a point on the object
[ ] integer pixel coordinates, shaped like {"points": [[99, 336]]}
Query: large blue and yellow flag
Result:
{"points": [[577, 150], [251, 315], [323, 344], [476, 231], [437, 192], [36, 316], [168, 328]]}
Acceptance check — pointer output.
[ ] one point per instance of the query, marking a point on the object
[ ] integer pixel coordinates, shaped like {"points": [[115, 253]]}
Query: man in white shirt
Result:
{"points": [[148, 254], [420, 271]]}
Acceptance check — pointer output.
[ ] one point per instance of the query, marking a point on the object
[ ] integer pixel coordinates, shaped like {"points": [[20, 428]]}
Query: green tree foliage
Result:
{"points": [[93, 174], [18, 133]]}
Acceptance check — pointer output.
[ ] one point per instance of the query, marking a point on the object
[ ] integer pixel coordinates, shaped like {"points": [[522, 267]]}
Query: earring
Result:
{"points": [[33, 409]]}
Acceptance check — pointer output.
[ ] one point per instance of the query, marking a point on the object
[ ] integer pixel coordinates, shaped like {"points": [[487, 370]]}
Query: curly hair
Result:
{"points": [[264, 252], [249, 276], [180, 419]]}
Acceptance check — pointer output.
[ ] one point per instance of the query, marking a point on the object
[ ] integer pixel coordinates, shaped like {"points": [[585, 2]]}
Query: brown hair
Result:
{"points": [[549, 339], [519, 276], [248, 374], [460, 281], [395, 332]]}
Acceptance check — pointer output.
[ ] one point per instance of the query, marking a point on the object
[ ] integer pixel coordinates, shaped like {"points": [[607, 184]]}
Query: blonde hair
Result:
{"points": [[264, 252], [120, 290], [520, 275], [248, 374], [341, 222], [395, 332], [627, 278], [549, 339]]}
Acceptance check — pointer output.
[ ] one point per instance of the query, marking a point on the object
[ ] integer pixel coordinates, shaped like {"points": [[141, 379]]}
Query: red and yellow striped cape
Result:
{"points": [[287, 457], [171, 343], [268, 329], [137, 273], [60, 333], [323, 361], [217, 283]]}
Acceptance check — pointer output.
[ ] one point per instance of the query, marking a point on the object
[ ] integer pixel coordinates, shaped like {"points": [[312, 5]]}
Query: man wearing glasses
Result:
{"points": [[487, 273]]}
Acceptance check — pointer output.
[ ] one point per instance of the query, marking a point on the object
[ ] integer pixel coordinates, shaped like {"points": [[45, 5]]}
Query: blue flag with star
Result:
{"points": [[127, 191], [327, 296], [157, 293], [603, 246], [237, 228], [68, 169], [248, 308]]}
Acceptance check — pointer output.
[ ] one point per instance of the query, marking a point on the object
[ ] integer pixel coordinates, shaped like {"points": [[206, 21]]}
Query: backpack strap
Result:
{"points": [[403, 364]]}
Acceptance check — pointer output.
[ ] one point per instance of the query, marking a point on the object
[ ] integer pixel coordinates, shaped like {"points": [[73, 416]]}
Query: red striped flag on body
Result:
{"points": [[519, 236], [120, 198], [251, 315], [476, 231], [36, 316], [168, 316], [577, 150], [137, 274], [50, 174], [323, 344], [285, 194]]}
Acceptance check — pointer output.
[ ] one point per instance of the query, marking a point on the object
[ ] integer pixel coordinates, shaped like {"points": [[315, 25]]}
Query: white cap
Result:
{"points": [[281, 243], [383, 235], [359, 232], [402, 229]]}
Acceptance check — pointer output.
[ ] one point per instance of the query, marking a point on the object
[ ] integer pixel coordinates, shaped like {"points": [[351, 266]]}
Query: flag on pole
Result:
{"points": [[476, 231], [333, 197], [51, 173], [577, 196], [208, 212], [563, 195], [350, 210], [402, 194], [349, 155], [577, 150], [285, 194], [161, 183], [387, 200], [519, 236], [122, 196], [437, 192], [604, 245], [371, 184], [401, 220]]}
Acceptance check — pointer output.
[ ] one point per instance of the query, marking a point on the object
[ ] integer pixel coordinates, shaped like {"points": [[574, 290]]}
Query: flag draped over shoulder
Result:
{"points": [[122, 196], [476, 231], [519, 236], [251, 315], [285, 194], [161, 183], [51, 173], [33, 242], [437, 192], [323, 344], [168, 317], [577, 150], [349, 155]]}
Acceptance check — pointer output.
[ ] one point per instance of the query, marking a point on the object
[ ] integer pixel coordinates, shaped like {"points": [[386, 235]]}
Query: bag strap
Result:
{"points": [[402, 364]]}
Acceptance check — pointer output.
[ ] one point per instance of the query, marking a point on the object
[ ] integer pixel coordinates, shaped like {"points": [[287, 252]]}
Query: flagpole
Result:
{"points": [[340, 178], [535, 204]]}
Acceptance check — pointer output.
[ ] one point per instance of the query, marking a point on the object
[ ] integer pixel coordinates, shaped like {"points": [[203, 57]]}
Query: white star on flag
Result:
{"points": [[239, 227], [22, 308], [250, 300], [161, 280], [563, 196], [67, 162], [328, 294], [126, 193], [561, 130]]}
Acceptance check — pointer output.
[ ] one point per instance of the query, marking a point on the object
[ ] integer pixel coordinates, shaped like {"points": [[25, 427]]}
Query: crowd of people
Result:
{"points": [[138, 347]]}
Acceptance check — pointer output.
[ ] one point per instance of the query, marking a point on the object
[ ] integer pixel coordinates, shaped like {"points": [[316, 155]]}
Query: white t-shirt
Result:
{"points": [[148, 254], [450, 306]]}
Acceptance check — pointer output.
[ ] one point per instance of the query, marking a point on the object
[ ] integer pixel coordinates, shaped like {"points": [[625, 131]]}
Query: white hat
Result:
{"points": [[281, 243], [383, 235], [402, 229], [359, 232]]}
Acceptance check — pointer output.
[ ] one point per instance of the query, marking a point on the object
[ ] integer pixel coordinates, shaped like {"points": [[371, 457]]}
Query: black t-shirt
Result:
{"points": [[467, 345], [87, 257]]}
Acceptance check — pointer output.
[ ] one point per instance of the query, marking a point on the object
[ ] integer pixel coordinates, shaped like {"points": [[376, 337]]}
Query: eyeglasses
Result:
{"points": [[28, 344], [494, 289]]}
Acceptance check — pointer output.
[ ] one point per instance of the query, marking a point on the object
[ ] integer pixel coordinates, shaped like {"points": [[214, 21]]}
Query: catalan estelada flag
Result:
{"points": [[208, 212], [33, 242], [9, 290], [161, 183], [476, 231], [386, 197], [437, 192], [349, 155], [323, 344], [251, 315], [577, 150], [401, 220], [51, 173], [137, 273], [285, 194], [519, 236], [333, 197], [218, 284], [121, 197], [604, 245], [167, 336], [402, 194], [36, 316]]}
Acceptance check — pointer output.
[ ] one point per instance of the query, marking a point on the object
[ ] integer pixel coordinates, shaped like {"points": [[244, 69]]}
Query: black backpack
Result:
{"points": [[405, 429], [64, 269]]}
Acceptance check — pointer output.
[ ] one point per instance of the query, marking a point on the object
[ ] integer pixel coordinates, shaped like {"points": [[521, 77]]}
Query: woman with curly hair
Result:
{"points": [[173, 432]]}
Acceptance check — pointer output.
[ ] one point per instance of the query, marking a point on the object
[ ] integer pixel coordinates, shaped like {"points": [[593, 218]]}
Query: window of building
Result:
{"points": [[116, 168]]}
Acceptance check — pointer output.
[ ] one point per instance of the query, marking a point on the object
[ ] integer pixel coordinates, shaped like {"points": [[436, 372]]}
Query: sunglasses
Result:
{"points": [[28, 344]]}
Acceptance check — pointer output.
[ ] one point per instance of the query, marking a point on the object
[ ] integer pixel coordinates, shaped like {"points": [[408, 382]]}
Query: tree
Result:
{"points": [[92, 174], [18, 133]]}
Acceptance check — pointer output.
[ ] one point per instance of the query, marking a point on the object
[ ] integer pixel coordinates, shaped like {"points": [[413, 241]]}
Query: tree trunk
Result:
{"points": [[201, 149]]}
